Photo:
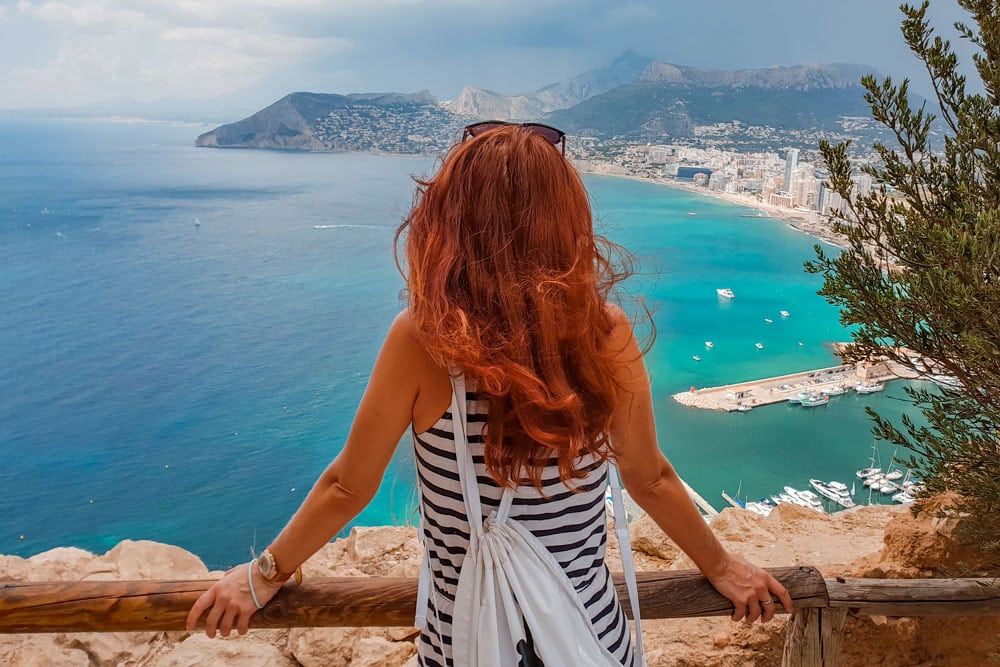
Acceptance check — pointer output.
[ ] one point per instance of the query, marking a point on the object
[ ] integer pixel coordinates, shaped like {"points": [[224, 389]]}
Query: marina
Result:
{"points": [[807, 388]]}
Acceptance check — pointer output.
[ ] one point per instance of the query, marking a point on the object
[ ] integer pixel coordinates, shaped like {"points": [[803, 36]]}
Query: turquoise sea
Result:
{"points": [[185, 333]]}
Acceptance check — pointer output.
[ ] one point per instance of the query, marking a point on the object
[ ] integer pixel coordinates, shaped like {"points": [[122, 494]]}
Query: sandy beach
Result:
{"points": [[807, 222]]}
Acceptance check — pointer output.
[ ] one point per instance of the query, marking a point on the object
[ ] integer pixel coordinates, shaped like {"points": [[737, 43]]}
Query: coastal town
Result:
{"points": [[788, 186]]}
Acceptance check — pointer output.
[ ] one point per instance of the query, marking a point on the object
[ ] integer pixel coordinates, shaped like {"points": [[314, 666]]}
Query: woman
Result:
{"points": [[507, 283]]}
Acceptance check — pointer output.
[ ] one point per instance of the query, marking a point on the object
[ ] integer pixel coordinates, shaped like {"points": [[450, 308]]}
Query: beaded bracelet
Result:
{"points": [[253, 593]]}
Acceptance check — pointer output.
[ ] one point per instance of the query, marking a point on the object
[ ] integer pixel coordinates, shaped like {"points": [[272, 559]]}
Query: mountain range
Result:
{"points": [[633, 99]]}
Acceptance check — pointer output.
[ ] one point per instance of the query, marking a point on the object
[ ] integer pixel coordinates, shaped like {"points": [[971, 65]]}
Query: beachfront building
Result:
{"points": [[791, 161], [780, 199], [804, 187]]}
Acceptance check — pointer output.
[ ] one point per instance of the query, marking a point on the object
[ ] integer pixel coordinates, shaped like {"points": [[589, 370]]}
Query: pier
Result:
{"points": [[755, 393]]}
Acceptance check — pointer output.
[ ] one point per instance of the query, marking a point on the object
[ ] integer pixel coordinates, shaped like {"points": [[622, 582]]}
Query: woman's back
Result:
{"points": [[570, 522]]}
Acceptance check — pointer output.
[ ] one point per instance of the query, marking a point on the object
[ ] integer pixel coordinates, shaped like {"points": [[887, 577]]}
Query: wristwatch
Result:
{"points": [[268, 569]]}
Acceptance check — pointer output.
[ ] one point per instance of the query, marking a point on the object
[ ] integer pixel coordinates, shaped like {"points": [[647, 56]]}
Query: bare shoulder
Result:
{"points": [[621, 336], [403, 335], [630, 371]]}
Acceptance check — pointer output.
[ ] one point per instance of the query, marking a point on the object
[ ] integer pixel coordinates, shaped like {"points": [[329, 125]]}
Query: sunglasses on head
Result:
{"points": [[552, 135]]}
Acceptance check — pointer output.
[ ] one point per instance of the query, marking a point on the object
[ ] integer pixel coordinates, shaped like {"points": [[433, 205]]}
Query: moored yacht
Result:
{"points": [[837, 494], [725, 292], [804, 498], [870, 388], [834, 390]]}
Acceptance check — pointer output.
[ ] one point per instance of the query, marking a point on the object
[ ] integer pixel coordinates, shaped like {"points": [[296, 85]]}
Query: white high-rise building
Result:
{"points": [[791, 161]]}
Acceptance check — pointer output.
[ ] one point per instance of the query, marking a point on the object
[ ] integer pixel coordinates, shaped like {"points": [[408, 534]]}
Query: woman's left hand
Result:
{"points": [[751, 590], [229, 603]]}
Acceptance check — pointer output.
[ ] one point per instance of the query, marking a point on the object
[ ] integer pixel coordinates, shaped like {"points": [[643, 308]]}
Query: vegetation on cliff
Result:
{"points": [[936, 221]]}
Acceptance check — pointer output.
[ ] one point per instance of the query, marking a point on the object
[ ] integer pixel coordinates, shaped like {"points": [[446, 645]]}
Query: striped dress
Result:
{"points": [[573, 527]]}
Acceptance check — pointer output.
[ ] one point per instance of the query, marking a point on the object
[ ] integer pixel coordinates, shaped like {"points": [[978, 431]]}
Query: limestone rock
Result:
{"points": [[120, 648], [199, 651], [647, 538], [739, 525], [151, 560], [64, 563], [323, 647], [380, 652], [40, 651], [357, 647]]}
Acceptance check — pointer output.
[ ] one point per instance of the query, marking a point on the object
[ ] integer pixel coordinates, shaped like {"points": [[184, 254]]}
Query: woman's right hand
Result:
{"points": [[229, 603], [753, 592]]}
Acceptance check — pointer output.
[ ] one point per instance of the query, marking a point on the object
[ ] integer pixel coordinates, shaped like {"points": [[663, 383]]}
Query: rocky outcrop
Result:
{"points": [[797, 77], [874, 541], [479, 103]]}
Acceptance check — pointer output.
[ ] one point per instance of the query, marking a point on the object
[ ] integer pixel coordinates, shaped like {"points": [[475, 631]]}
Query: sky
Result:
{"points": [[70, 53]]}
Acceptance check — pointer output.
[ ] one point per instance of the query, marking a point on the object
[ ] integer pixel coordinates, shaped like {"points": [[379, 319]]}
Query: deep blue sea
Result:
{"points": [[182, 382]]}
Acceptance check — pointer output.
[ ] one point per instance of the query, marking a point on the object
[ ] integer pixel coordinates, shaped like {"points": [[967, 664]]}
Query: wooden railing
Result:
{"points": [[813, 637]]}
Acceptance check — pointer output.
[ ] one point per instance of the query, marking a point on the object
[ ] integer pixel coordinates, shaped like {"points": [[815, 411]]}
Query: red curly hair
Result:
{"points": [[508, 281]]}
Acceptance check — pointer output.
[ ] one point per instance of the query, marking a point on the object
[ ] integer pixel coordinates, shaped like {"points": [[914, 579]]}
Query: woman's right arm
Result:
{"points": [[656, 487]]}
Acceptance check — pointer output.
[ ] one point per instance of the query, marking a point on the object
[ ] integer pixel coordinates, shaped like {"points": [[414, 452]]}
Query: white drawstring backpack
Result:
{"points": [[514, 604]]}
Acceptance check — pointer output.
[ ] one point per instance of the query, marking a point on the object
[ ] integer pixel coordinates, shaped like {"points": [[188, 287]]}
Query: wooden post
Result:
{"points": [[813, 639], [120, 606]]}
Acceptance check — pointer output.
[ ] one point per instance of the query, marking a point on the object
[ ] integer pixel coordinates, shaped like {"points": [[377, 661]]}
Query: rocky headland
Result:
{"points": [[878, 541]]}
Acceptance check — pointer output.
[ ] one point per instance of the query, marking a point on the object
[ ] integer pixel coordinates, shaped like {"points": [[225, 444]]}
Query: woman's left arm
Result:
{"points": [[344, 489]]}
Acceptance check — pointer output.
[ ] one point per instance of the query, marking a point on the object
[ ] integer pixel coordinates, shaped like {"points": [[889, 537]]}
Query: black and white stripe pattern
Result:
{"points": [[572, 525]]}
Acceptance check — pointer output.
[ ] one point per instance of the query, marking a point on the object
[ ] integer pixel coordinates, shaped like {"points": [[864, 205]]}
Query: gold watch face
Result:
{"points": [[266, 565]]}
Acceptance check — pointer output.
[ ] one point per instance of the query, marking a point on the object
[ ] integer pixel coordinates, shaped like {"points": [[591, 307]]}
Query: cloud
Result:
{"points": [[149, 50], [68, 52]]}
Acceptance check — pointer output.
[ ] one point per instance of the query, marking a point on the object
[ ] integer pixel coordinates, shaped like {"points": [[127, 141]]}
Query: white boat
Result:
{"points": [[197, 221], [903, 497], [759, 346], [760, 508], [893, 475], [865, 473], [768, 320], [799, 397], [692, 213], [886, 486], [743, 407], [784, 313], [835, 390], [815, 400], [804, 498], [696, 358], [709, 344], [725, 292], [835, 493], [784, 498], [872, 388]]}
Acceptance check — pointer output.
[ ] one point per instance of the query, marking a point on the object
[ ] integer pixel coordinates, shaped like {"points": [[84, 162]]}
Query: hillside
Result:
{"points": [[480, 103], [632, 99], [669, 102], [377, 122]]}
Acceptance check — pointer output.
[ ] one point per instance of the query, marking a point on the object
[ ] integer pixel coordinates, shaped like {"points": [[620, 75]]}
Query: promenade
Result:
{"points": [[757, 393]]}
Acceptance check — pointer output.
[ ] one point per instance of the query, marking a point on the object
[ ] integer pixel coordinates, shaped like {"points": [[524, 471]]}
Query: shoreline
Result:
{"points": [[806, 222]]}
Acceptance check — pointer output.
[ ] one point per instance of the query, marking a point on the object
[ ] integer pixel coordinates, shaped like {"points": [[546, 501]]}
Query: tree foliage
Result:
{"points": [[922, 266]]}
